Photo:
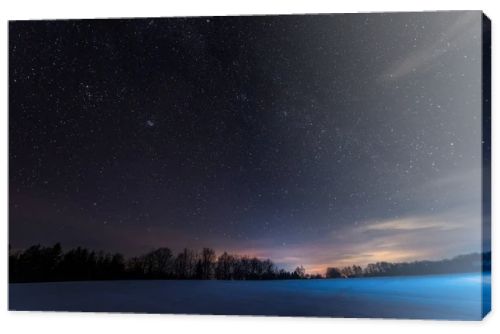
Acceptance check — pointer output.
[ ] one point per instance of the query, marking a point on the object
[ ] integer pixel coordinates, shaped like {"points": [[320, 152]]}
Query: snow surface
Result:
{"points": [[430, 297]]}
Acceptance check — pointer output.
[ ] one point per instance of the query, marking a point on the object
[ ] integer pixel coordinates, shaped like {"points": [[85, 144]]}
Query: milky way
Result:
{"points": [[308, 139]]}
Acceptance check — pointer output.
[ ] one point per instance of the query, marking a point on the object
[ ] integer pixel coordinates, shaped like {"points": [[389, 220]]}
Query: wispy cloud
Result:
{"points": [[403, 239], [409, 224], [417, 59]]}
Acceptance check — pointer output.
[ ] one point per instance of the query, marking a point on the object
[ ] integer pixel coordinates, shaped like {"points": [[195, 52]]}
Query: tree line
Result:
{"points": [[43, 264], [474, 262]]}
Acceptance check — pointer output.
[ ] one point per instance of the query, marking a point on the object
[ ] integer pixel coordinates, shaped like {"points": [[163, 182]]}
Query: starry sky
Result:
{"points": [[315, 140]]}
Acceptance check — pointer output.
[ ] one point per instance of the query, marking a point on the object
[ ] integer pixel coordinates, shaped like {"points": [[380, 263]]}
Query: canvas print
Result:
{"points": [[329, 165]]}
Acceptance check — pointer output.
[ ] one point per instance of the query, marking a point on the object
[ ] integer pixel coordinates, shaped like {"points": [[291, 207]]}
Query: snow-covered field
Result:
{"points": [[433, 297]]}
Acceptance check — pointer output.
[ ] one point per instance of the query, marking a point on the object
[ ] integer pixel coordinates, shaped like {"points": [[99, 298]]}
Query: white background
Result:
{"points": [[38, 322]]}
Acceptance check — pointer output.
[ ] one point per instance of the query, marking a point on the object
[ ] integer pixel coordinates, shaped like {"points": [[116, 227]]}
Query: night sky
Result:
{"points": [[313, 140]]}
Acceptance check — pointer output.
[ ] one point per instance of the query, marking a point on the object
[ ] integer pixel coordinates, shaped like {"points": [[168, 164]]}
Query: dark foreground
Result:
{"points": [[426, 297]]}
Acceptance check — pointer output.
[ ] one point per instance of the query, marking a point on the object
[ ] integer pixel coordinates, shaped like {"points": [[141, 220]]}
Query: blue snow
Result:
{"points": [[458, 297]]}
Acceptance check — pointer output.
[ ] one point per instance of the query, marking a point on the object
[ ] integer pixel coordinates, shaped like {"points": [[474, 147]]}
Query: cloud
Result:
{"points": [[408, 224], [453, 37], [410, 238]]}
